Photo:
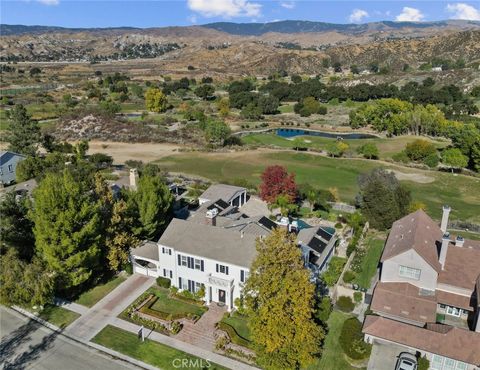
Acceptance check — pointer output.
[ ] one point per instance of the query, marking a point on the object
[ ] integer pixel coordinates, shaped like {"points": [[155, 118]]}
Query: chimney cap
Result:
{"points": [[446, 235], [460, 238], [446, 207], [211, 213]]}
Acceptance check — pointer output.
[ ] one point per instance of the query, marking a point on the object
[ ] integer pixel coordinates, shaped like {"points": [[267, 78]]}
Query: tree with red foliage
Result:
{"points": [[277, 181]]}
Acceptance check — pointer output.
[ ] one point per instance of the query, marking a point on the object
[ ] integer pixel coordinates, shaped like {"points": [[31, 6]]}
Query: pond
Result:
{"points": [[292, 132]]}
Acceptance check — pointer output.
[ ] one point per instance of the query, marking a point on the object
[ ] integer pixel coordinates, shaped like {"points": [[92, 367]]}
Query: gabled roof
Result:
{"points": [[147, 250], [221, 191], [5, 156], [458, 344], [462, 265], [415, 231], [212, 242]]}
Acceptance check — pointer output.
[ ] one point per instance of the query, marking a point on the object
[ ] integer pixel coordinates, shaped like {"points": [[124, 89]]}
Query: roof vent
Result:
{"points": [[459, 241]]}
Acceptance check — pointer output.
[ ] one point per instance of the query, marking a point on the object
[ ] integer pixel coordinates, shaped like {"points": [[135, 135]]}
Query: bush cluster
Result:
{"points": [[351, 340], [345, 304]]}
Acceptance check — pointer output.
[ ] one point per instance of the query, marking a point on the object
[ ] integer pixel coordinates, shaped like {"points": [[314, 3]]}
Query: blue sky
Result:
{"points": [[159, 13]]}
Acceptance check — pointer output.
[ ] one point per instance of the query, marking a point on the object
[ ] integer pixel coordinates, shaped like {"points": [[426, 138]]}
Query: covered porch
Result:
{"points": [[219, 290], [145, 259]]}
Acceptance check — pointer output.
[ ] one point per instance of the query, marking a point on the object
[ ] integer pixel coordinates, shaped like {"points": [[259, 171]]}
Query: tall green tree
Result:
{"points": [[279, 300], [67, 228], [152, 202], [24, 136], [155, 100], [382, 198], [16, 229], [454, 158], [22, 283]]}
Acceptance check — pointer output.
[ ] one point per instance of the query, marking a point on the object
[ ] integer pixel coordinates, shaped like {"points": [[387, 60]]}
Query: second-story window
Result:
{"points": [[409, 272], [222, 269], [198, 264], [243, 275], [184, 261]]}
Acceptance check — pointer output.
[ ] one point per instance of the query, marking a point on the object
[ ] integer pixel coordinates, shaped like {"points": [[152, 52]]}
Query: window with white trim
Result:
{"points": [[445, 363], [243, 275], [454, 311], [10, 168], [198, 286], [184, 261], [223, 269], [166, 250], [409, 272], [197, 264]]}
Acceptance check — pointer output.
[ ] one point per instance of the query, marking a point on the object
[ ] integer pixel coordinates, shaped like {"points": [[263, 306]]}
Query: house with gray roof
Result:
{"points": [[233, 195], [8, 166], [215, 247], [318, 246]]}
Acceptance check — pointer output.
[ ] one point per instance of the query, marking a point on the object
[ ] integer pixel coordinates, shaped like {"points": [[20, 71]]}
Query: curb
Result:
{"points": [[97, 347]]}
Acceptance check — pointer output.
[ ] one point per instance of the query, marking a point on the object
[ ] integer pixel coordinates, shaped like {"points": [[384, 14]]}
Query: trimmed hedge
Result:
{"points": [[234, 336], [345, 304], [348, 276], [163, 282], [351, 340]]}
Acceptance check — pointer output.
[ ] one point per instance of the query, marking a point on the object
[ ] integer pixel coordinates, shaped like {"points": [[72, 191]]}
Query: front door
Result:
{"points": [[221, 296]]}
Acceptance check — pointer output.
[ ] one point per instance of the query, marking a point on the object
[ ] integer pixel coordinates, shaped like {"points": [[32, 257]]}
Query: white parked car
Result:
{"points": [[406, 361]]}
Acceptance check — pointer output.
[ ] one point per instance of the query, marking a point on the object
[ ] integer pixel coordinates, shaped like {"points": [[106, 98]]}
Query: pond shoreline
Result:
{"points": [[311, 132]]}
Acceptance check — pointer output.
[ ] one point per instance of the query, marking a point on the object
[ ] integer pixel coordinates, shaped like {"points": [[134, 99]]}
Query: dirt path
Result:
{"points": [[145, 152]]}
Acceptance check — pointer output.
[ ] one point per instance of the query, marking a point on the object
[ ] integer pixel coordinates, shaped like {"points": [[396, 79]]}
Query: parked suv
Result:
{"points": [[406, 361]]}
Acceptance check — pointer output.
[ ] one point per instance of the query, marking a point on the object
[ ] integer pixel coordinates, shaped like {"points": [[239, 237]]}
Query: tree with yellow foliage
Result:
{"points": [[155, 100], [279, 299]]}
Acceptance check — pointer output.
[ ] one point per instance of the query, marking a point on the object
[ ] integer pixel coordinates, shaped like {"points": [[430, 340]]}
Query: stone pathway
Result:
{"points": [[200, 334], [110, 306]]}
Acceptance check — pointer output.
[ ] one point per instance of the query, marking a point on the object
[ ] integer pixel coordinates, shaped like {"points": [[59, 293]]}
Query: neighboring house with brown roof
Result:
{"points": [[428, 279]]}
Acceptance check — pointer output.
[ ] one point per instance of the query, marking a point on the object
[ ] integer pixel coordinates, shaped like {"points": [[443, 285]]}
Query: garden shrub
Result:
{"points": [[330, 277], [163, 282], [345, 304], [234, 336], [351, 340], [357, 297], [401, 157], [423, 363], [348, 276]]}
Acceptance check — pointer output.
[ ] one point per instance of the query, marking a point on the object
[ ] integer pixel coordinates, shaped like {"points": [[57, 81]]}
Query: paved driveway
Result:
{"points": [[25, 344], [109, 307], [384, 356]]}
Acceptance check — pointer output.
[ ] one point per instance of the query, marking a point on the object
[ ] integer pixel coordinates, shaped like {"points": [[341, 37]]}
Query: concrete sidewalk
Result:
{"points": [[72, 306], [110, 306], [183, 346]]}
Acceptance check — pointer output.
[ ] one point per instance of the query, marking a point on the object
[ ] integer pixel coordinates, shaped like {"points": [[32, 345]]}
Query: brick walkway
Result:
{"points": [[200, 334]]}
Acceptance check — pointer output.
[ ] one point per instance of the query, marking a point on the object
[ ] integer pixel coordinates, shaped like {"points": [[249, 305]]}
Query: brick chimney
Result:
{"points": [[444, 224], [459, 241], [211, 217], [133, 178], [444, 249]]}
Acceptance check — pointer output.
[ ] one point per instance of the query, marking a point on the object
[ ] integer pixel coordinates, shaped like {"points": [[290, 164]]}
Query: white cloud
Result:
{"points": [[463, 11], [357, 15], [225, 8], [287, 4], [49, 2], [192, 18], [410, 15]]}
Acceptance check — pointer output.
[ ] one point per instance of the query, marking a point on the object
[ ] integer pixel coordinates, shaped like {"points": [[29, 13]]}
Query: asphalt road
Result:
{"points": [[25, 344]]}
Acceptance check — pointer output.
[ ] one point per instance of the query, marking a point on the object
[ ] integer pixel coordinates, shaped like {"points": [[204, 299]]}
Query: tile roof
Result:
{"points": [[462, 265], [211, 242], [458, 344], [415, 231], [455, 300], [406, 301]]}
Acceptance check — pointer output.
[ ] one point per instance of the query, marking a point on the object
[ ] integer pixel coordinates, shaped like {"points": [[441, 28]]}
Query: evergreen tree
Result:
{"points": [[279, 300], [152, 202], [15, 227], [67, 228], [382, 199], [24, 135]]}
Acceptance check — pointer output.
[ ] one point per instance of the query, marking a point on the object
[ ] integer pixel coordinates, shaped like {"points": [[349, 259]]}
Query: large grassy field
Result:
{"points": [[332, 356], [151, 352], [462, 193], [92, 296], [386, 146]]}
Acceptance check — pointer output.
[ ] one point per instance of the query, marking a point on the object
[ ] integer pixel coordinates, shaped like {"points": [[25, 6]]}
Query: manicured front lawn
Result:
{"points": [[151, 352], [369, 262], [92, 296], [333, 357], [460, 192], [58, 316], [174, 306], [237, 328]]}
